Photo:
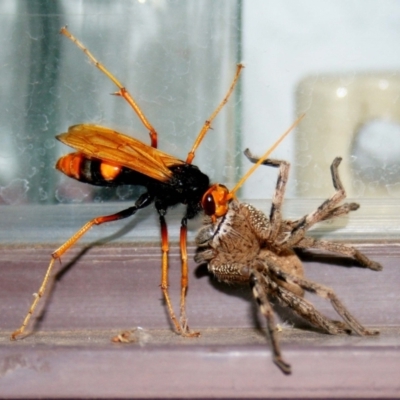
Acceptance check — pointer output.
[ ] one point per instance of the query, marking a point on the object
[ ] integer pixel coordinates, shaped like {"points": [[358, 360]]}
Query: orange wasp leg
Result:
{"points": [[183, 232], [122, 90], [207, 124], [184, 281], [143, 201], [164, 275]]}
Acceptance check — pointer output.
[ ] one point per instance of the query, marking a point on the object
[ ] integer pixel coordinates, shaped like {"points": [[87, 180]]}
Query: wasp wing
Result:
{"points": [[108, 145]]}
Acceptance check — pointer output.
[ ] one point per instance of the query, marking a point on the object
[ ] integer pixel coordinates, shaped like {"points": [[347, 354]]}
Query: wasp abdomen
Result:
{"points": [[89, 170]]}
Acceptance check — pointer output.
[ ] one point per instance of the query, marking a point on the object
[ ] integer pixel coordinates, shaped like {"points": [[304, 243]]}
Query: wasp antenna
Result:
{"points": [[207, 124], [265, 156], [64, 31], [122, 90]]}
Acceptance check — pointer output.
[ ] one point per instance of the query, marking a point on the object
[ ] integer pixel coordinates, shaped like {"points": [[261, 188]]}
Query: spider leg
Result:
{"points": [[324, 211], [339, 248], [265, 307], [301, 306], [343, 209], [339, 211], [324, 292], [275, 216], [307, 311]]}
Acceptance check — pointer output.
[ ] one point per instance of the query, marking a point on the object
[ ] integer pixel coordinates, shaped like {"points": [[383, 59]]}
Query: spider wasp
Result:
{"points": [[104, 157]]}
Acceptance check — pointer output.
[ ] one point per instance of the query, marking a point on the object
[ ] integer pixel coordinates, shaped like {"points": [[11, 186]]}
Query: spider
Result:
{"points": [[246, 246]]}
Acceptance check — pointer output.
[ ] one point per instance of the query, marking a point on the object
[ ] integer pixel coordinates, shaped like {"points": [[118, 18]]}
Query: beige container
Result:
{"points": [[337, 109]]}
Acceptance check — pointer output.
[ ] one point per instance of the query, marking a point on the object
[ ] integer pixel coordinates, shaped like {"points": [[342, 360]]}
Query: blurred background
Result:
{"points": [[336, 60]]}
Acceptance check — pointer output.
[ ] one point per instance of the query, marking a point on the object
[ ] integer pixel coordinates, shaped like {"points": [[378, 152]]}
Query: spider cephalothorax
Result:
{"points": [[246, 246]]}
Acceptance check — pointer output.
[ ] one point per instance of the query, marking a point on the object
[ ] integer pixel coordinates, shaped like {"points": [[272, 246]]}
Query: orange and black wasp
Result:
{"points": [[104, 157]]}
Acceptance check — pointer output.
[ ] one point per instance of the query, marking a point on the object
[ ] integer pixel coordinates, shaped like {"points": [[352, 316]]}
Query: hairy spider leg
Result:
{"points": [[266, 309], [341, 210], [323, 292], [324, 209], [306, 310], [275, 215], [339, 248], [328, 209]]}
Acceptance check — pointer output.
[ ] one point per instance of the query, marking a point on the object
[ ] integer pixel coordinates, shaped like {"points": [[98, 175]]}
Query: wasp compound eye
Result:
{"points": [[208, 204]]}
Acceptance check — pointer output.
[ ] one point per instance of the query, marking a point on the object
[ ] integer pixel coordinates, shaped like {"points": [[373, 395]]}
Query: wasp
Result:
{"points": [[104, 157], [242, 245]]}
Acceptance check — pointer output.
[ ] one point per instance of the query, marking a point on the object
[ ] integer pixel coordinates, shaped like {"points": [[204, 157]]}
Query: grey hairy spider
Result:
{"points": [[246, 246]]}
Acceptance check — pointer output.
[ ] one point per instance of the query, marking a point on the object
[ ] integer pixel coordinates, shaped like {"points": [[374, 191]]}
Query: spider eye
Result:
{"points": [[208, 204]]}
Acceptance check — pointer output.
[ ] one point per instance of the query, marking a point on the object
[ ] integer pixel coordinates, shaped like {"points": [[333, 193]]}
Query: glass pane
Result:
{"points": [[176, 58], [336, 60]]}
